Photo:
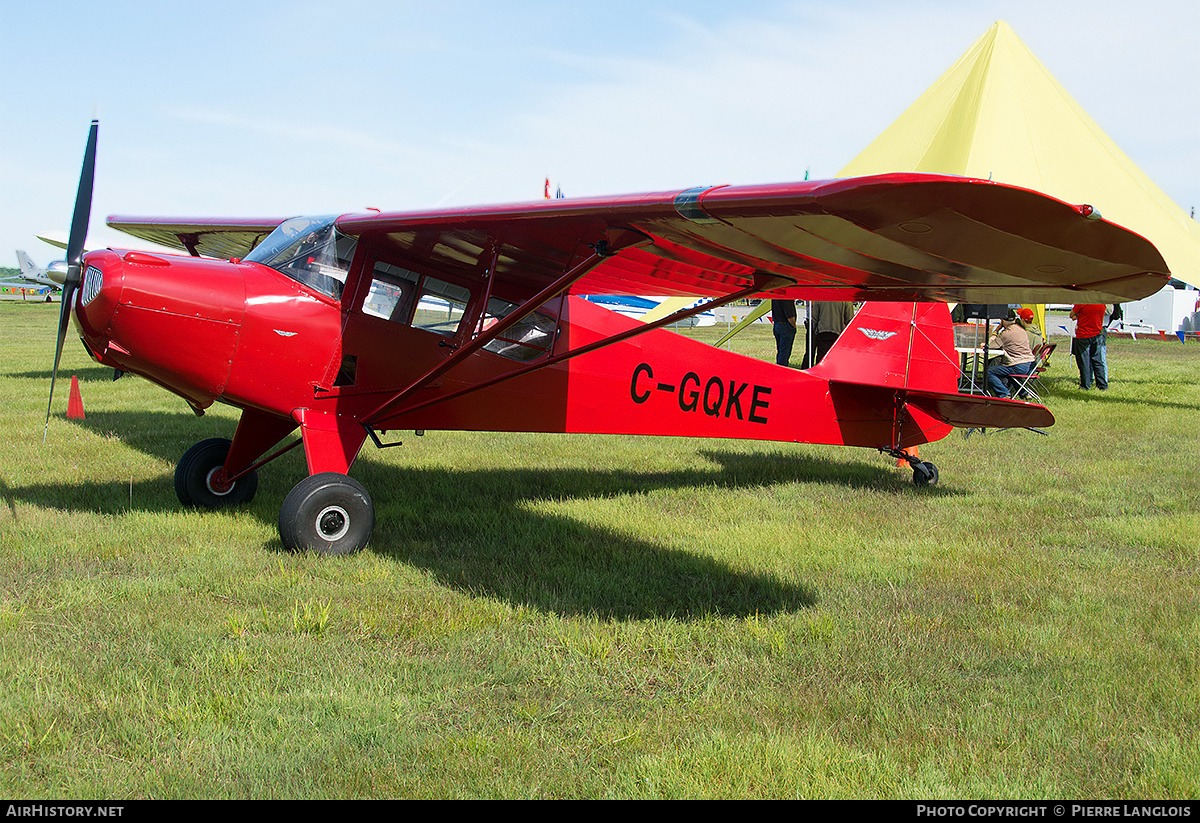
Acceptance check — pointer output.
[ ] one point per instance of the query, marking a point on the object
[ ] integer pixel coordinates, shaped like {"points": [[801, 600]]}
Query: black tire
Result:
{"points": [[194, 478], [925, 474], [327, 513]]}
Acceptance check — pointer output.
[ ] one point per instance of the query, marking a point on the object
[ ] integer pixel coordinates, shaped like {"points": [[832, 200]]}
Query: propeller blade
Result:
{"points": [[83, 200], [79, 228]]}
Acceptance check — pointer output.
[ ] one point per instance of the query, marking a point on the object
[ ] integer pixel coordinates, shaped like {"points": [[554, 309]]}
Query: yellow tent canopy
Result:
{"points": [[999, 114]]}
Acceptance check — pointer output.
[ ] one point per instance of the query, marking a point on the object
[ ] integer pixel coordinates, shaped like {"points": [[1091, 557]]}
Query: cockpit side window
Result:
{"points": [[392, 293], [441, 306], [422, 301], [309, 250], [426, 302]]}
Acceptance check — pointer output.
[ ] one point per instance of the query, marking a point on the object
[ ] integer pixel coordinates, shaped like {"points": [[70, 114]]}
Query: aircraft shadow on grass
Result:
{"points": [[1067, 386], [475, 531], [85, 374]]}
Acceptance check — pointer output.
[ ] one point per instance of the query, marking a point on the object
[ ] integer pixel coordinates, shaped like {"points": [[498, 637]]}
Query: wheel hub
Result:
{"points": [[218, 482], [332, 523]]}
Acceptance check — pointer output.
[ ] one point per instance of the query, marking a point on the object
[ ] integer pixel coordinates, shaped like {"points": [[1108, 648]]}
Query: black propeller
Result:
{"points": [[79, 228]]}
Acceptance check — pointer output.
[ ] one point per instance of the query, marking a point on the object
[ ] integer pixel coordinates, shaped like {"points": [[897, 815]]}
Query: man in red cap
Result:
{"points": [[1031, 328]]}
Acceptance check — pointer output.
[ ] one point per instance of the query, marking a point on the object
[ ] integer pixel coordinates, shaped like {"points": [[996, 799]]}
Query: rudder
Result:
{"points": [[896, 345]]}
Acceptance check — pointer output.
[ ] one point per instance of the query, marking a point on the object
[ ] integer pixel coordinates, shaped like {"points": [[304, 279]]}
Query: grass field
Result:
{"points": [[602, 617]]}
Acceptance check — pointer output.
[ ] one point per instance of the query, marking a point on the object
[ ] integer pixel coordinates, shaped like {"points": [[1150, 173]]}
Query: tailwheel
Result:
{"points": [[925, 474], [327, 513], [200, 480]]}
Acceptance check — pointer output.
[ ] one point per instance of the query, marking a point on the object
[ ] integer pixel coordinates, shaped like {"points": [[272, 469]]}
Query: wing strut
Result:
{"points": [[762, 283]]}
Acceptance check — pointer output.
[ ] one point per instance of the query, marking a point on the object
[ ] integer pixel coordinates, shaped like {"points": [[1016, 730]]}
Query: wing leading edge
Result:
{"points": [[909, 237]]}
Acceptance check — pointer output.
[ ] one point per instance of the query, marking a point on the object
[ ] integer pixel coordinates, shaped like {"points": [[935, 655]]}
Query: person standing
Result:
{"points": [[783, 324], [1088, 343], [1111, 316], [829, 320]]}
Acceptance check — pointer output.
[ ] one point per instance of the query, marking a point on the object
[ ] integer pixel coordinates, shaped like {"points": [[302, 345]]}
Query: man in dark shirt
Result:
{"points": [[828, 321], [783, 323]]}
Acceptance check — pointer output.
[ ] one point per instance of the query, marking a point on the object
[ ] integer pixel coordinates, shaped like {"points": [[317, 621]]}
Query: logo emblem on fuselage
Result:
{"points": [[877, 335]]}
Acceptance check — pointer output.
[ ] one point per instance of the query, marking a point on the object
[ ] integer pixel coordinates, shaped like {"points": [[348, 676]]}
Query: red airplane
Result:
{"points": [[351, 326]]}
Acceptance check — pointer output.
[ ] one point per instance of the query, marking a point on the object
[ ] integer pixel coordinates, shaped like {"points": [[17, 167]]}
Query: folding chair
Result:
{"points": [[1025, 385]]}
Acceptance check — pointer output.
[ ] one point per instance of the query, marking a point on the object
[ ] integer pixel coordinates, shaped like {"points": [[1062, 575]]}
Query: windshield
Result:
{"points": [[310, 250]]}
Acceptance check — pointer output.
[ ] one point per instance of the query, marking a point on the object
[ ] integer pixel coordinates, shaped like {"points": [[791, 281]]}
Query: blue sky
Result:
{"points": [[263, 108]]}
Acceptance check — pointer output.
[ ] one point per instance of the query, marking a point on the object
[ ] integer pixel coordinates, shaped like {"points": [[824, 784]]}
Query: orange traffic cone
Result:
{"points": [[75, 403], [901, 462]]}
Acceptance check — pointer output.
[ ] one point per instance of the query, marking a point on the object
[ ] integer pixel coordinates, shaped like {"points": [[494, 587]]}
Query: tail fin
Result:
{"points": [[27, 266], [897, 346]]}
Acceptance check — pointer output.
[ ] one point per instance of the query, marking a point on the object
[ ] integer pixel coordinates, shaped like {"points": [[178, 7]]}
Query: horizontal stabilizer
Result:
{"points": [[973, 411]]}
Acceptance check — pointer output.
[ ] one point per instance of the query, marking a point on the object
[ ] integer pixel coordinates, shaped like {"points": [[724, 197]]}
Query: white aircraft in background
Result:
{"points": [[34, 278]]}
